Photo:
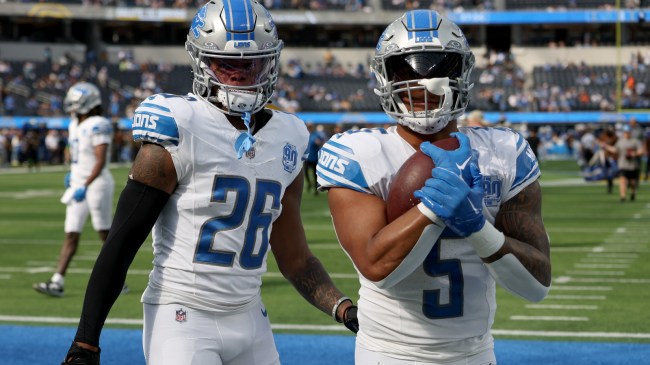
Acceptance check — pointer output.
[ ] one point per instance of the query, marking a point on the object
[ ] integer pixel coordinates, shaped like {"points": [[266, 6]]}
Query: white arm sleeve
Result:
{"points": [[414, 258], [509, 272]]}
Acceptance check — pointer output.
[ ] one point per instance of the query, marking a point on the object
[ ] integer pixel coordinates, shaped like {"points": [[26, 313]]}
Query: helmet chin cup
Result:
{"points": [[424, 125], [239, 101]]}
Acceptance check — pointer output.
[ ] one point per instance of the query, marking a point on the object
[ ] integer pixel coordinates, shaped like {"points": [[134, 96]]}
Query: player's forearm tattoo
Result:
{"points": [[520, 220], [315, 285]]}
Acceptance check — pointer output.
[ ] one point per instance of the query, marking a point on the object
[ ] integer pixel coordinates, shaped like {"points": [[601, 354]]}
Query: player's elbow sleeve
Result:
{"points": [[414, 258], [511, 274]]}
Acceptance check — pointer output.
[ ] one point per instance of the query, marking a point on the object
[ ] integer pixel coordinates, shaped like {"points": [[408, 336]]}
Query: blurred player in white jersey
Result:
{"points": [[89, 185], [219, 179], [428, 277]]}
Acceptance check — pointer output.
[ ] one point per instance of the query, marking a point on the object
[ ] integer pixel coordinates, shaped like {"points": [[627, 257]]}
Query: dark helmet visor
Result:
{"points": [[424, 65]]}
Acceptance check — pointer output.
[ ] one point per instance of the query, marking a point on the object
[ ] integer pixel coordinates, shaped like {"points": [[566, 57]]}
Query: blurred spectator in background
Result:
{"points": [[608, 138], [476, 119], [16, 144], [533, 141], [629, 150], [52, 143], [636, 131], [588, 145], [30, 149], [9, 104], [4, 144], [317, 138], [646, 142]]}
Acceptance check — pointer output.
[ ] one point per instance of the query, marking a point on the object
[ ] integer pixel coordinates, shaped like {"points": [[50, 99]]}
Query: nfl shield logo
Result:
{"points": [[250, 154], [181, 315]]}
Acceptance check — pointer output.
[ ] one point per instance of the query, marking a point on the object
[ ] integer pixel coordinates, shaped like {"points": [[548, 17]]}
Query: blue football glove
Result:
{"points": [[458, 204], [79, 194], [66, 180], [456, 160]]}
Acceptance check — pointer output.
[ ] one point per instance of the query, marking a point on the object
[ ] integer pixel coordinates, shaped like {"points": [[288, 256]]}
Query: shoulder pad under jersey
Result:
{"points": [[102, 126], [154, 121], [342, 159]]}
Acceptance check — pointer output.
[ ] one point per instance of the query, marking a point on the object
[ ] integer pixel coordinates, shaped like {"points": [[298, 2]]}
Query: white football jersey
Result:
{"points": [[82, 139], [444, 310], [212, 238]]}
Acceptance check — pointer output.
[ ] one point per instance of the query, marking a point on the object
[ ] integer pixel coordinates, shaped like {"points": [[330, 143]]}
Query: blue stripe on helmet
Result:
{"points": [[240, 20], [420, 24]]}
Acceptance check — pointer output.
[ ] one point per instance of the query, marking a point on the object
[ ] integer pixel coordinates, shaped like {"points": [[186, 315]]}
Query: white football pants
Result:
{"points": [[175, 334]]}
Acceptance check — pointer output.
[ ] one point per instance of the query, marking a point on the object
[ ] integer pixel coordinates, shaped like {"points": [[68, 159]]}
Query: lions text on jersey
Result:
{"points": [[212, 238], [443, 310]]}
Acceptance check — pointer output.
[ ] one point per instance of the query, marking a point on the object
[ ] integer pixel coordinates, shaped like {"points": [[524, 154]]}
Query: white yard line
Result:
{"points": [[606, 260], [613, 255], [595, 273], [339, 328], [549, 318], [601, 266], [576, 297], [580, 288], [562, 307]]}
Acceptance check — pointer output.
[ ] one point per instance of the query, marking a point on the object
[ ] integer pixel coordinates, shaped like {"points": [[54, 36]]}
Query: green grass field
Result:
{"points": [[600, 249]]}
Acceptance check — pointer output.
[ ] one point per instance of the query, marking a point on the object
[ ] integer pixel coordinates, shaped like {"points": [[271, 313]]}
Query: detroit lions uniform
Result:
{"points": [[446, 307], [212, 238], [83, 138]]}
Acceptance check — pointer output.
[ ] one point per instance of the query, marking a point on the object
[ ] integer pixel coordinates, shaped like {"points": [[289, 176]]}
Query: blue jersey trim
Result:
{"points": [[348, 170], [337, 183], [527, 167], [340, 146], [155, 106]]}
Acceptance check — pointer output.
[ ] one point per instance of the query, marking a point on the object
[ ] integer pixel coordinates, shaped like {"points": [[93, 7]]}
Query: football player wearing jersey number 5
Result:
{"points": [[218, 178], [428, 277]]}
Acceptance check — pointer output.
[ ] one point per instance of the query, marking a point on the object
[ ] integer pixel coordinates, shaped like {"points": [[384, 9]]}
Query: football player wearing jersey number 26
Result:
{"points": [[218, 181], [428, 277]]}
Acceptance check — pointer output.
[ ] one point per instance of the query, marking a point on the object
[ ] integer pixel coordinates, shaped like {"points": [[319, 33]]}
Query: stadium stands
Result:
{"points": [[33, 76], [37, 88]]}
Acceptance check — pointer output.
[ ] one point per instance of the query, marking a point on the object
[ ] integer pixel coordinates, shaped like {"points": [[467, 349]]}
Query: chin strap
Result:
{"points": [[245, 141]]}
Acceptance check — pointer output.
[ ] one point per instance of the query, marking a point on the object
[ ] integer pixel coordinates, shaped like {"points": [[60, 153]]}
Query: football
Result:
{"points": [[411, 177]]}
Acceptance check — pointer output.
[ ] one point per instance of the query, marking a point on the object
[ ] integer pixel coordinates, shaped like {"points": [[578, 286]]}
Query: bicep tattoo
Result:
{"points": [[153, 166]]}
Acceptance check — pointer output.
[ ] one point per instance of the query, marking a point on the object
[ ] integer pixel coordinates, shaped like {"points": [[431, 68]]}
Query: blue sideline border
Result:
{"points": [[29, 345], [376, 118]]}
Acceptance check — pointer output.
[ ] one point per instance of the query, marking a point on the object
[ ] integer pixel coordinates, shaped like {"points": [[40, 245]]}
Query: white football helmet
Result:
{"points": [[425, 54], [81, 98], [235, 53]]}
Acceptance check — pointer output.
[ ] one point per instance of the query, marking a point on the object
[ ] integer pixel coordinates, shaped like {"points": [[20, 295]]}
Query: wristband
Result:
{"points": [[487, 241], [336, 308], [430, 214]]}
